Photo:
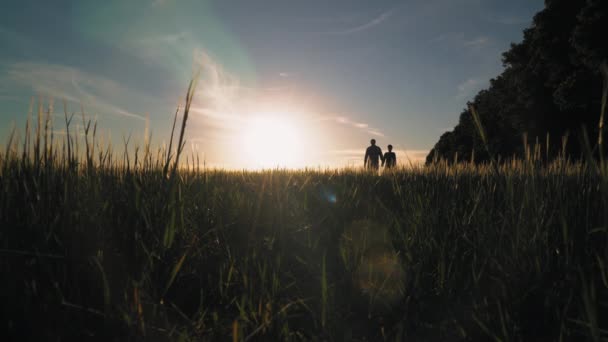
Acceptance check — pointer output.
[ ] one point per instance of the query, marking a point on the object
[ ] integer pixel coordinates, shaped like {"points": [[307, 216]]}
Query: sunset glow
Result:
{"points": [[281, 83], [212, 170], [271, 140]]}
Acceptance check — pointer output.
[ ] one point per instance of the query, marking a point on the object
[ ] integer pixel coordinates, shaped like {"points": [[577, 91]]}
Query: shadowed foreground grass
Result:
{"points": [[94, 249], [96, 245]]}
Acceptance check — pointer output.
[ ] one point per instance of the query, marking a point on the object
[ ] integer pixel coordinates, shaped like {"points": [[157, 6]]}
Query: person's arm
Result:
{"points": [[383, 160], [381, 156], [366, 158]]}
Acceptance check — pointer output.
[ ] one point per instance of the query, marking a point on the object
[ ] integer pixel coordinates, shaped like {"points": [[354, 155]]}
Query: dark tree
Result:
{"points": [[550, 88]]}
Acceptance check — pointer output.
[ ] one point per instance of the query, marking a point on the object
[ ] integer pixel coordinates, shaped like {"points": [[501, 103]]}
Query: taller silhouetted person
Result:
{"points": [[373, 155], [390, 159]]}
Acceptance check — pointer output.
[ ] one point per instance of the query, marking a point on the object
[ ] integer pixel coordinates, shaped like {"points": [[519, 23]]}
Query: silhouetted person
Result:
{"points": [[373, 155], [390, 158]]}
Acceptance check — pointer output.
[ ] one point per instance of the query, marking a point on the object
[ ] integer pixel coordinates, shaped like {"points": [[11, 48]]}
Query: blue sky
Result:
{"points": [[340, 72]]}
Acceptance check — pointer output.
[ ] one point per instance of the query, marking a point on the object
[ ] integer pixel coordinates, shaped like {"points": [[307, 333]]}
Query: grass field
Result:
{"points": [[99, 245]]}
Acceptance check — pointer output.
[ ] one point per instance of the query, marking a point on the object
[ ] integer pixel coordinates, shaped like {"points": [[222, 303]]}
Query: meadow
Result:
{"points": [[97, 244]]}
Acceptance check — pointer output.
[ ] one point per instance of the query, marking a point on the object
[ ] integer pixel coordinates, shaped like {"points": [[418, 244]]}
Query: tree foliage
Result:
{"points": [[549, 91]]}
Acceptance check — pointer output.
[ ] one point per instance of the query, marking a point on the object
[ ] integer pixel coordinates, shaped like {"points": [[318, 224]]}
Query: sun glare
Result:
{"points": [[270, 141]]}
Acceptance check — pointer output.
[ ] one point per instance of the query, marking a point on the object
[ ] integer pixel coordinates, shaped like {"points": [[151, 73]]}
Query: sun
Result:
{"points": [[272, 140]]}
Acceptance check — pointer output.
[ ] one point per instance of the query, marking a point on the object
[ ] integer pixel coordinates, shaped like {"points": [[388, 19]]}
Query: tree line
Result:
{"points": [[549, 95]]}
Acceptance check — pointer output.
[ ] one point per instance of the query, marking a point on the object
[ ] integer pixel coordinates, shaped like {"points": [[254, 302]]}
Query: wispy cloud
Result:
{"points": [[168, 38], [365, 26], [287, 74], [477, 41], [69, 83], [222, 102], [224, 109], [354, 124], [219, 91], [459, 39], [447, 37]]}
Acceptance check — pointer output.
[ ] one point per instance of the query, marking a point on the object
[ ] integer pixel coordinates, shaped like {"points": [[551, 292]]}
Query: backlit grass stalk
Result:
{"points": [[600, 138], [189, 98], [482, 134], [158, 252]]}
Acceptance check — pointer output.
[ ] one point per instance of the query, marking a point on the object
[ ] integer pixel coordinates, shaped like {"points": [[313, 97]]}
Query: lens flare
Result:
{"points": [[367, 251]]}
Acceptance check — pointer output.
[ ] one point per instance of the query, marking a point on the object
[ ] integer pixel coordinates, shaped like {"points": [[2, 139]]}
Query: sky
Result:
{"points": [[282, 83]]}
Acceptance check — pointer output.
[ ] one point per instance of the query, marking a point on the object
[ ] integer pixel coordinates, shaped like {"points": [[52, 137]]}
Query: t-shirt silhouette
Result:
{"points": [[372, 156], [390, 160]]}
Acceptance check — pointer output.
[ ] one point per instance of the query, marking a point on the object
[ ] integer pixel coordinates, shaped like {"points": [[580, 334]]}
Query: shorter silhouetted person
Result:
{"points": [[390, 158], [373, 155]]}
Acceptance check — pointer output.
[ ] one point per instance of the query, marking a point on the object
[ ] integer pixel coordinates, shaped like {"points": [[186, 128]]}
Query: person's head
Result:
{"points": [[390, 148], [373, 142]]}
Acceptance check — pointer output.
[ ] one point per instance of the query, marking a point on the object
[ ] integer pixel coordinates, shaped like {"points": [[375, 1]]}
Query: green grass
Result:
{"points": [[96, 244]]}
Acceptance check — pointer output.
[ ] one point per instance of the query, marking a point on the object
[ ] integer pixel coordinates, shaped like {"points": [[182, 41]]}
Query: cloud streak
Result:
{"points": [[459, 39], [169, 38], [286, 74], [222, 102], [477, 41], [354, 124], [70, 84], [219, 92], [366, 26]]}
